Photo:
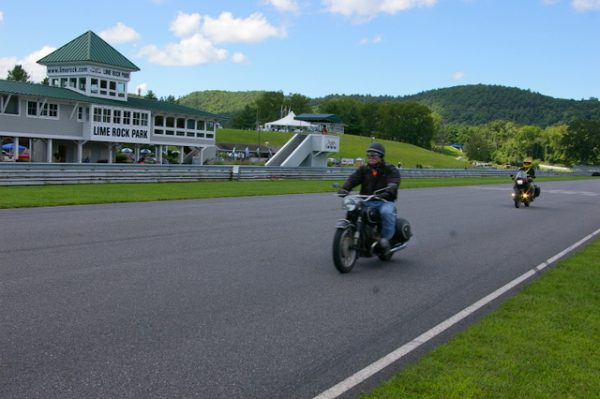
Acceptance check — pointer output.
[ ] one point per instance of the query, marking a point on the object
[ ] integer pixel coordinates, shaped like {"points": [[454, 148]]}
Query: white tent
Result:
{"points": [[288, 122]]}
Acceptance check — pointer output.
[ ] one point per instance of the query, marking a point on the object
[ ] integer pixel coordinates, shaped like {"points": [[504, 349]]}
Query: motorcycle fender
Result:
{"points": [[343, 223]]}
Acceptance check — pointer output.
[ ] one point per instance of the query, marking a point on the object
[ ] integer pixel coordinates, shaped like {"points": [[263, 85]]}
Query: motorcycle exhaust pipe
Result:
{"points": [[399, 247]]}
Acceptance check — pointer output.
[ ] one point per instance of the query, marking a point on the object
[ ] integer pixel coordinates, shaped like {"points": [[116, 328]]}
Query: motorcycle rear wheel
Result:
{"points": [[344, 252]]}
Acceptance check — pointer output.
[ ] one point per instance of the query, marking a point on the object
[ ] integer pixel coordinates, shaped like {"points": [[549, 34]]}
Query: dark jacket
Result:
{"points": [[530, 171], [372, 179]]}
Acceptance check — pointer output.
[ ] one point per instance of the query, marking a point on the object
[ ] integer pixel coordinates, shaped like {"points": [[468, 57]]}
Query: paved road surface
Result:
{"points": [[238, 298]]}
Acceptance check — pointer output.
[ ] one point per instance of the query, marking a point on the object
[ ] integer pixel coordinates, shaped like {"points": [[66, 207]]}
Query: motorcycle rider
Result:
{"points": [[373, 176], [528, 168]]}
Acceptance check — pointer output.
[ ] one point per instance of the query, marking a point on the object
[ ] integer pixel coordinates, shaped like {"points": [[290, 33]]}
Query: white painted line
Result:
{"points": [[405, 349]]}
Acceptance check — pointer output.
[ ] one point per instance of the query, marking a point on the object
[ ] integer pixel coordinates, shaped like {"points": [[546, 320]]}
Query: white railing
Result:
{"points": [[22, 173]]}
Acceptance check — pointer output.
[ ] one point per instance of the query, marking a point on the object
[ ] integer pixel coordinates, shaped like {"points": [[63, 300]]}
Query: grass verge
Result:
{"points": [[82, 194], [543, 343]]}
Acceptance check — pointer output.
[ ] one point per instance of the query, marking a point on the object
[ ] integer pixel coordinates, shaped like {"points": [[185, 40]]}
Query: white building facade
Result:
{"points": [[85, 113]]}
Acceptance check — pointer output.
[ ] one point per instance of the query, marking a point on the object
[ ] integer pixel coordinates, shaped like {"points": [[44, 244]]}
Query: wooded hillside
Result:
{"points": [[468, 104]]}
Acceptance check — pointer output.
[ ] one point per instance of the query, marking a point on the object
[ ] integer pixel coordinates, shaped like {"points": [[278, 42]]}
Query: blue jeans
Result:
{"points": [[387, 211]]}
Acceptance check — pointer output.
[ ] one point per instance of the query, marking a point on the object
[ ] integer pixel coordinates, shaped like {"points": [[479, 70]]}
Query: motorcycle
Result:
{"points": [[524, 191], [358, 234]]}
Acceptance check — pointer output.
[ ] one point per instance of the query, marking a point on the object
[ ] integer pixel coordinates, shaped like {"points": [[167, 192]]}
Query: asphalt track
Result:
{"points": [[238, 297]]}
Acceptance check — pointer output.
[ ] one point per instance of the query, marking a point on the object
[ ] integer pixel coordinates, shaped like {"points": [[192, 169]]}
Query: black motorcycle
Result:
{"points": [[358, 234], [524, 191]]}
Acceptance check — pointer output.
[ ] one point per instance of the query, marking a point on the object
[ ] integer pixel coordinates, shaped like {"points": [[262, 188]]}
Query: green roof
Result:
{"points": [[59, 93], [90, 48], [329, 118]]}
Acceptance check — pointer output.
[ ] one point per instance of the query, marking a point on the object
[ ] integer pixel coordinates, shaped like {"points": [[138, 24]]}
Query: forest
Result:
{"points": [[494, 123]]}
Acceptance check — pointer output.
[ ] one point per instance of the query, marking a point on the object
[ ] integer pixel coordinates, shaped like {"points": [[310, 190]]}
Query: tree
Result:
{"points": [[150, 95], [581, 142], [551, 141], [408, 122], [269, 106], [18, 74], [245, 119], [348, 110], [298, 103], [477, 146]]}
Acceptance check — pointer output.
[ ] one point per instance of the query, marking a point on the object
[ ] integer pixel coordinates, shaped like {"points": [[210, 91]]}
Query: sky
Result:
{"points": [[321, 47]]}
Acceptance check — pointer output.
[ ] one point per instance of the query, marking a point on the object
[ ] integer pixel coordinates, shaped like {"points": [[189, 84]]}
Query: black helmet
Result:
{"points": [[377, 147]]}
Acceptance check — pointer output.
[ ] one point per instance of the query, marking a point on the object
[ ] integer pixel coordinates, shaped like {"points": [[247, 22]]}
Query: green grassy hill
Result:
{"points": [[351, 147]]}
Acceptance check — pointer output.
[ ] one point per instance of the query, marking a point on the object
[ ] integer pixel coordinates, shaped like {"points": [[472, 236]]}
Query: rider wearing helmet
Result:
{"points": [[528, 168], [373, 176]]}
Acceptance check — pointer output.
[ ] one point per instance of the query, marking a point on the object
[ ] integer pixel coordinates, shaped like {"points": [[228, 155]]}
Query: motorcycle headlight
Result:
{"points": [[520, 181], [350, 203]]}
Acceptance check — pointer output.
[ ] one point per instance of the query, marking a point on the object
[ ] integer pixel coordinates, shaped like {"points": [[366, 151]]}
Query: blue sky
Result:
{"points": [[321, 47]]}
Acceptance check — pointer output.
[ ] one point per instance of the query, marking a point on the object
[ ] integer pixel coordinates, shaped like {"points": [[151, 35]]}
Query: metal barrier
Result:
{"points": [[22, 173]]}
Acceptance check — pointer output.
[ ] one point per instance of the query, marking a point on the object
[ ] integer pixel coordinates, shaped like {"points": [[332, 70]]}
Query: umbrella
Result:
{"points": [[11, 147], [145, 151], [126, 150]]}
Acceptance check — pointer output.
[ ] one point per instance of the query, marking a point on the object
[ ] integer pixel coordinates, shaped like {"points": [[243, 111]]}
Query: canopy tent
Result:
{"points": [[327, 122], [288, 121]]}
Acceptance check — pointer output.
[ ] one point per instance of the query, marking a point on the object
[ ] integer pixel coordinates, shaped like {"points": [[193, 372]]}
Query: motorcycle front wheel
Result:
{"points": [[344, 250], [517, 203]]}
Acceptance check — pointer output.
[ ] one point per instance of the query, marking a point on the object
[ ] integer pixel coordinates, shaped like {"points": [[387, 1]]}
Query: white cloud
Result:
{"points": [[239, 58], [1, 16], [586, 5], [227, 29], [120, 33], [284, 5], [193, 50], [460, 75], [199, 35], [368, 9], [185, 24], [374, 40], [29, 63]]}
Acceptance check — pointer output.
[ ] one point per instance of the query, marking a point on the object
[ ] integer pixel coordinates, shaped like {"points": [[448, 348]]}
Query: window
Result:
{"points": [[126, 117], [42, 110], [31, 108], [121, 89], [94, 86], [191, 124], [199, 125], [136, 118], [51, 110], [210, 126], [83, 114], [106, 115], [159, 120], [112, 87], [170, 121], [180, 123], [103, 87], [117, 116], [159, 131], [9, 104], [97, 114], [82, 84], [144, 119]]}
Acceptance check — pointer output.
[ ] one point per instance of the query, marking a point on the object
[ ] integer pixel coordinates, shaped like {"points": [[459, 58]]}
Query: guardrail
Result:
{"points": [[25, 173]]}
